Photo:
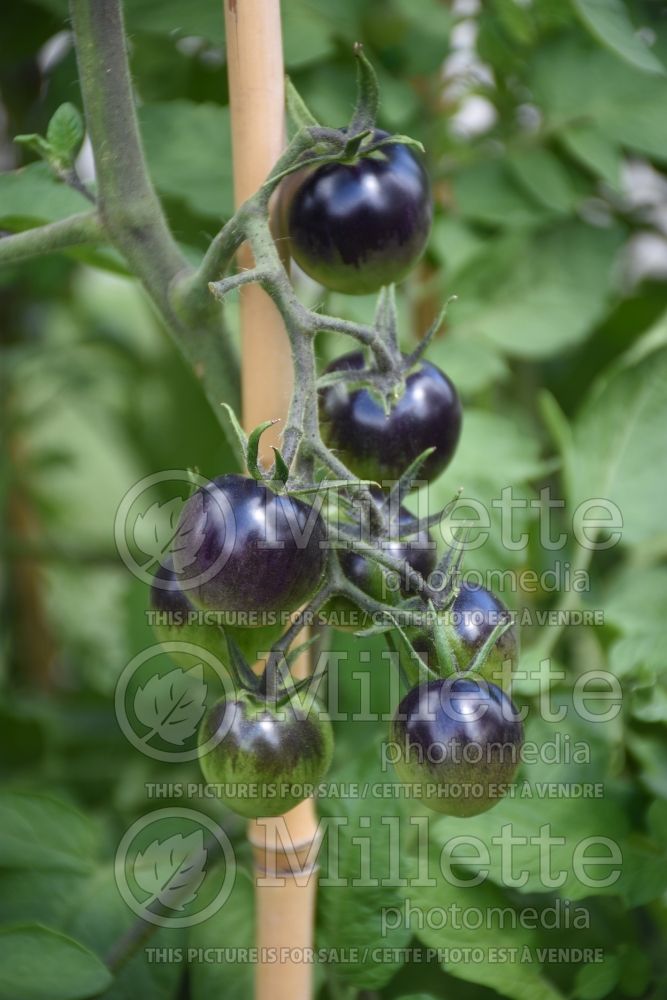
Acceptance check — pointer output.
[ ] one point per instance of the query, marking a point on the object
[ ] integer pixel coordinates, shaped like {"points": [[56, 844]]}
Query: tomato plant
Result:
{"points": [[152, 697]]}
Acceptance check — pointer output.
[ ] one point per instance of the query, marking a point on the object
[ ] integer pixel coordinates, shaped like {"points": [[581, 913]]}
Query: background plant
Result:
{"points": [[547, 147]]}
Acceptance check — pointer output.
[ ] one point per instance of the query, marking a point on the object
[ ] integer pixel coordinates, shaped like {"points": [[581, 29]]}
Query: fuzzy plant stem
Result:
{"points": [[129, 210]]}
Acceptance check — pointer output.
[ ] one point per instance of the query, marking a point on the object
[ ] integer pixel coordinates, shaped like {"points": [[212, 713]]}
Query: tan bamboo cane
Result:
{"points": [[286, 882]]}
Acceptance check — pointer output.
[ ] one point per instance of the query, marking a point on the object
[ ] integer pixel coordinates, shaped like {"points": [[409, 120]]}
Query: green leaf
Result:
{"points": [[486, 192], [99, 918], [41, 964], [352, 912], [508, 454], [65, 133], [233, 926], [595, 151], [517, 976], [617, 441], [37, 832], [312, 28], [595, 981], [189, 154], [636, 874], [608, 22], [577, 83], [544, 178], [536, 296], [472, 363], [32, 195], [28, 894], [36, 142]]}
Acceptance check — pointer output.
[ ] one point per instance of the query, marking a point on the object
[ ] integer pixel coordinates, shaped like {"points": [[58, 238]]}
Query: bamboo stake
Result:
{"points": [[286, 879]]}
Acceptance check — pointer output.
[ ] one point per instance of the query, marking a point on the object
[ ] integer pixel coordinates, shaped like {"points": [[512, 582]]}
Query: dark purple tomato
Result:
{"points": [[244, 550], [473, 616], [355, 227], [416, 547], [266, 757], [176, 619], [457, 742], [166, 595], [380, 447]]}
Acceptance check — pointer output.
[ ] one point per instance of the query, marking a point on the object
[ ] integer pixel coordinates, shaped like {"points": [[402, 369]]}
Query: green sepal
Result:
{"points": [[444, 653], [482, 655], [252, 451], [368, 94], [331, 484], [395, 140], [421, 347], [293, 654], [402, 486], [239, 439], [280, 467], [415, 671], [353, 144], [298, 111], [243, 672]]}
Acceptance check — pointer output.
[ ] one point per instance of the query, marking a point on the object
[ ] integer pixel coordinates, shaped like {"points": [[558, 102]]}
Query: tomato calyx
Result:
{"points": [[276, 691], [349, 144], [385, 374]]}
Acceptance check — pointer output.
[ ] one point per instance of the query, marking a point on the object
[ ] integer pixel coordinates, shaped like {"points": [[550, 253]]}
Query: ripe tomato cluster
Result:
{"points": [[259, 545]]}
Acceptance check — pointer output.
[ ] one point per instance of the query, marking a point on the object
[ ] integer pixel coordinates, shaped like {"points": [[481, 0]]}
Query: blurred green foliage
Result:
{"points": [[544, 125]]}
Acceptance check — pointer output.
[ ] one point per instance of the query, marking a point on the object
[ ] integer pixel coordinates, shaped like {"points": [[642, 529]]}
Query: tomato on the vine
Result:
{"points": [[470, 620], [457, 742], [355, 227], [244, 550], [406, 542], [178, 620], [267, 755], [380, 447]]}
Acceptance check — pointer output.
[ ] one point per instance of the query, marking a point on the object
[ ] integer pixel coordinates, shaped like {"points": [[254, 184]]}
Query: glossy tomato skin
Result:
{"points": [[246, 551], [457, 741], [266, 755], [356, 227], [417, 549], [476, 612], [379, 447], [178, 620], [471, 619]]}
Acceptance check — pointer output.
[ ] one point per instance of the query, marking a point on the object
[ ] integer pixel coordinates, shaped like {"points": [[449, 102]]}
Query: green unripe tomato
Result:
{"points": [[268, 757]]}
